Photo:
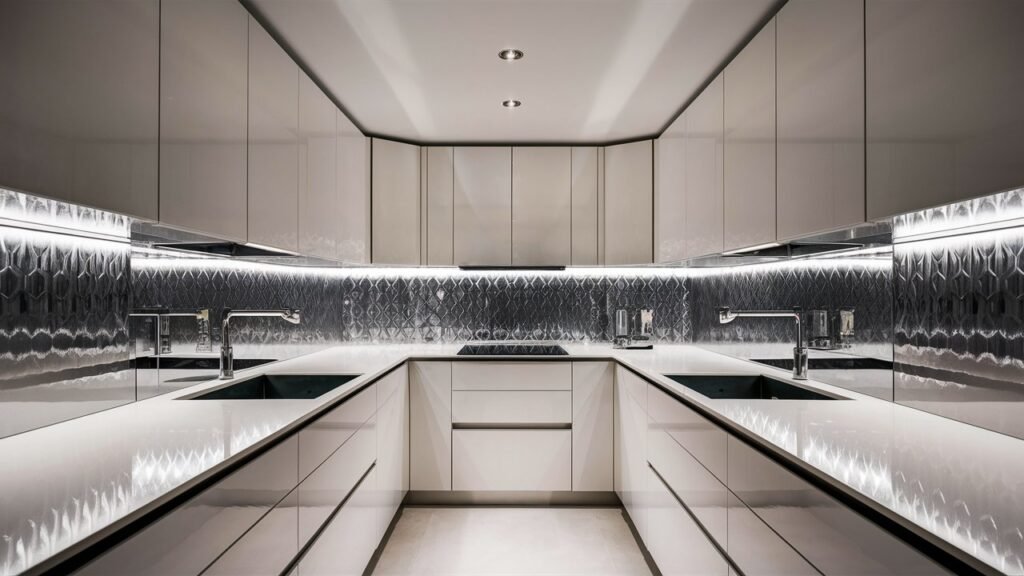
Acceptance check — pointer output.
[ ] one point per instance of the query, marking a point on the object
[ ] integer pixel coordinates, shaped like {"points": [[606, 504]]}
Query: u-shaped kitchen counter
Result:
{"points": [[89, 483]]}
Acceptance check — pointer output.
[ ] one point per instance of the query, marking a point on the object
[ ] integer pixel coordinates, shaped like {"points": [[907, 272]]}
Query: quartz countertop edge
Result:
{"points": [[374, 361]]}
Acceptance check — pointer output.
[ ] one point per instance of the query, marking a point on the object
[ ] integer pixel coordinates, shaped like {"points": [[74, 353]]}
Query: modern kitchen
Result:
{"points": [[550, 287]]}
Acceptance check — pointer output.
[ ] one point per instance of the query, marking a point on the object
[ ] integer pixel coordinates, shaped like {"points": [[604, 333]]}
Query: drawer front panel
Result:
{"points": [[676, 543], [704, 440], [322, 437], [511, 376], [267, 548], [706, 497], [328, 485], [758, 550], [512, 460], [346, 545], [390, 384], [511, 407]]}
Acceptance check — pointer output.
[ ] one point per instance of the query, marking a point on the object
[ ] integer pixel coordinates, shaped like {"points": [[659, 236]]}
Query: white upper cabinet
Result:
{"points": [[585, 205], [203, 116], [440, 205], [396, 203], [541, 206], [273, 143], [821, 116], [944, 85], [750, 144], [670, 194], [353, 179], [319, 203], [79, 106], [704, 210], [629, 203], [483, 206]]}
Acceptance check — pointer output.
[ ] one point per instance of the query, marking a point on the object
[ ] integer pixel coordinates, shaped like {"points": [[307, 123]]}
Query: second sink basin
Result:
{"points": [[749, 388], [278, 387]]}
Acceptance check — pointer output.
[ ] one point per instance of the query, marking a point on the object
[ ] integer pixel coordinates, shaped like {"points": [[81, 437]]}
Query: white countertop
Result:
{"points": [[71, 481]]}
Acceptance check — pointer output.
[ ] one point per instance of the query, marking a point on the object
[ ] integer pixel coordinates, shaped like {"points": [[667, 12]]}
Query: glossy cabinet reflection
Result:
{"points": [[203, 116], [273, 208], [585, 205], [541, 206], [704, 209], [396, 203], [483, 206], [944, 120], [750, 144], [820, 116], [440, 207], [79, 107], [353, 180], [629, 203], [319, 202]]}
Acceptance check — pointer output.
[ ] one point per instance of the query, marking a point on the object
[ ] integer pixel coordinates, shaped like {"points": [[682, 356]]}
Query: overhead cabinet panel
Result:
{"points": [[585, 177], [821, 116], [440, 205], [629, 203], [670, 194], [483, 206], [750, 144], [319, 203], [273, 143], [79, 107], [396, 203], [704, 209], [944, 120], [541, 206], [203, 116], [353, 170]]}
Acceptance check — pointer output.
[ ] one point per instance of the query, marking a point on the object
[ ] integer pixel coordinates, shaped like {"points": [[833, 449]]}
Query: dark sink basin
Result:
{"points": [[749, 388], [277, 387]]}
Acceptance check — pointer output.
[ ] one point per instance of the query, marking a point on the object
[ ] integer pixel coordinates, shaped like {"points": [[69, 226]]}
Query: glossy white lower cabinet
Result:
{"points": [[321, 438], [706, 497], [512, 407], [392, 444], [758, 550], [512, 460], [703, 440], [512, 376], [631, 446], [267, 548], [675, 541], [430, 424], [593, 400], [348, 541], [189, 538]]}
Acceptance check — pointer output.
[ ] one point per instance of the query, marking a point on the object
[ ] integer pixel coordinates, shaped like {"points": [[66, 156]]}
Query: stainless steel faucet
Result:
{"points": [[725, 316], [227, 372]]}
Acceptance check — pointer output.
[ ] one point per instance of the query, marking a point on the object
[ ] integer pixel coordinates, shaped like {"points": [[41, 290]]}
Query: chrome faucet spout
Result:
{"points": [[290, 315], [727, 315]]}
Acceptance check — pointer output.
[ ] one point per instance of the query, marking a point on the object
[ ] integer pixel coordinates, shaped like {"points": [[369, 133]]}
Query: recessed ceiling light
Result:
{"points": [[511, 103], [510, 54]]}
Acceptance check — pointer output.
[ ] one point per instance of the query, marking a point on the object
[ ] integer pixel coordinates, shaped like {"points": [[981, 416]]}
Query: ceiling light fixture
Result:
{"points": [[511, 103], [510, 54]]}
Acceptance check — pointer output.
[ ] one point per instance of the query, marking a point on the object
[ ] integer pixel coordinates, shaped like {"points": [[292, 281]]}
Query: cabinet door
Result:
{"points": [[440, 205], [347, 543], [629, 203], [541, 206], [704, 207], [392, 444], [512, 460], [757, 549], [944, 120], [353, 227], [674, 539], [319, 203], [585, 178], [670, 194], [631, 452], [79, 108], [821, 116], [592, 404], [750, 144], [430, 424], [273, 143], [267, 548], [483, 206], [203, 116], [396, 203]]}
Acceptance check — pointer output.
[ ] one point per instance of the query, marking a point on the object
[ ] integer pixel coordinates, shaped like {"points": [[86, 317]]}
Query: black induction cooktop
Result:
{"points": [[512, 350]]}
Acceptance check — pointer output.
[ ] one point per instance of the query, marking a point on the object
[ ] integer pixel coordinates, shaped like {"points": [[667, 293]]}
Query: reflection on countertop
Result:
{"points": [[958, 482]]}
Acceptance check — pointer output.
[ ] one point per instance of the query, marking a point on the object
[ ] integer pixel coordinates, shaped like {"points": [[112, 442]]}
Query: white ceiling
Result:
{"points": [[594, 71]]}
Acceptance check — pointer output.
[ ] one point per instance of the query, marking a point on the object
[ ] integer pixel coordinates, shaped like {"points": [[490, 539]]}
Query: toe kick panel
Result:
{"points": [[512, 460]]}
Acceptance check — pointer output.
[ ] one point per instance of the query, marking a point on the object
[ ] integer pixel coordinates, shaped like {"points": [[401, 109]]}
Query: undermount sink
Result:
{"points": [[277, 387], [829, 363], [749, 388]]}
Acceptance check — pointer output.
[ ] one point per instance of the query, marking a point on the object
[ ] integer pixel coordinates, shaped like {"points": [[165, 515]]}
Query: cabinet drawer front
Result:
{"points": [[511, 376], [267, 548], [321, 438], [512, 460], [191, 536], [390, 384], [328, 485], [675, 541], [635, 386], [706, 497], [701, 438], [511, 407], [757, 549], [834, 538], [346, 545]]}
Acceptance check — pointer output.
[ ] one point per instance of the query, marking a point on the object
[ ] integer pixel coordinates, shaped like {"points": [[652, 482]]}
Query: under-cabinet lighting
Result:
{"points": [[986, 214], [752, 249]]}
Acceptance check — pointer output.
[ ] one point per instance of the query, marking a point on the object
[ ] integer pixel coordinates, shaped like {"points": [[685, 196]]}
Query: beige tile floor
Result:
{"points": [[483, 541]]}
